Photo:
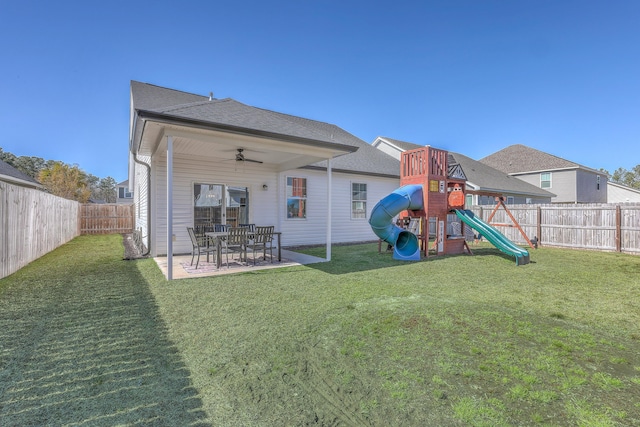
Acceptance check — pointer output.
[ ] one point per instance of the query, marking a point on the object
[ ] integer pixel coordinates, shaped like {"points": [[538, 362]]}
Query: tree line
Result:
{"points": [[630, 178], [62, 179]]}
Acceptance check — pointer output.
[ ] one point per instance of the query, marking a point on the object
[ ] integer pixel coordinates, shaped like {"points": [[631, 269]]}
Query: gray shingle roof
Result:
{"points": [[9, 171], [519, 158], [490, 179], [230, 112], [481, 175]]}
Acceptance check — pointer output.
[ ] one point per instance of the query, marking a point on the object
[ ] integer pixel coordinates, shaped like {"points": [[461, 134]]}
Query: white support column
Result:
{"points": [[329, 198], [169, 207]]}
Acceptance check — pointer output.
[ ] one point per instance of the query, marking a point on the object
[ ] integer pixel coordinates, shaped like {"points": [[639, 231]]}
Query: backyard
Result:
{"points": [[89, 339]]}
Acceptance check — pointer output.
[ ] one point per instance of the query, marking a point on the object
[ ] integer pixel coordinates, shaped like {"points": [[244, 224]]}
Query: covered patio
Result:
{"points": [[182, 268]]}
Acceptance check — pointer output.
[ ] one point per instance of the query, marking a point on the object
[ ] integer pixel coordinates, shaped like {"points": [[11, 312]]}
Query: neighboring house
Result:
{"points": [[197, 160], [13, 176], [123, 195], [569, 181], [618, 193], [483, 183]]}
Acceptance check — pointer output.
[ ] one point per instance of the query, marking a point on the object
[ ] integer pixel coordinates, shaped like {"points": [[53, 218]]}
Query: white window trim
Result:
{"points": [[550, 179], [306, 198], [352, 200]]}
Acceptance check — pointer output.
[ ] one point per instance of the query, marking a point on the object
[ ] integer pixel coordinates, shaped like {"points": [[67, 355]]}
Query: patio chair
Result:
{"points": [[251, 227], [218, 228], [200, 245], [236, 241], [262, 239]]}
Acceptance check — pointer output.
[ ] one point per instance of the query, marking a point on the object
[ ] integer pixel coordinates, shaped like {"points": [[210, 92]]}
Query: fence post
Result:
{"points": [[618, 229], [538, 224]]}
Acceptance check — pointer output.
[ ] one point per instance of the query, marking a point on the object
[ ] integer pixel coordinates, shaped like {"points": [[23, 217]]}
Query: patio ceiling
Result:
{"points": [[206, 140]]}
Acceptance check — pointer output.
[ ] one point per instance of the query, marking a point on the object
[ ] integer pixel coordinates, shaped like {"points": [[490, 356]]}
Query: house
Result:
{"points": [[483, 183], [569, 181], [123, 194], [197, 160], [618, 193], [13, 176]]}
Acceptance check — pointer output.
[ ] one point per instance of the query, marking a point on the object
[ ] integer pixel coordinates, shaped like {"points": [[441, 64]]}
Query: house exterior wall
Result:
{"points": [[140, 200], [563, 184], [616, 194], [265, 207], [312, 230], [587, 187]]}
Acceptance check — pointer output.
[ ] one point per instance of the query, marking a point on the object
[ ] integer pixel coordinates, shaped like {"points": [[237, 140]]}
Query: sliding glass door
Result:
{"points": [[220, 204]]}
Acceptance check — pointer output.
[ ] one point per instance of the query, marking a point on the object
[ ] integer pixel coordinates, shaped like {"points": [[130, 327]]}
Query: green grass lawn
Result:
{"points": [[362, 340]]}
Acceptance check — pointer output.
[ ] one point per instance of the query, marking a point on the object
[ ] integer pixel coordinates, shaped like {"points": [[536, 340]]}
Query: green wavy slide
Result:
{"points": [[493, 236]]}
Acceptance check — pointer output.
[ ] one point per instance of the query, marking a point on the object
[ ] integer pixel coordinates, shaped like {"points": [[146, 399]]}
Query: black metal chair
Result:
{"points": [[200, 245], [236, 241], [251, 227], [220, 228], [262, 239]]}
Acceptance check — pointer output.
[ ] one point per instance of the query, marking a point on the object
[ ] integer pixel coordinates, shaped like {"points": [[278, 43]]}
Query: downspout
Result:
{"points": [[140, 162]]}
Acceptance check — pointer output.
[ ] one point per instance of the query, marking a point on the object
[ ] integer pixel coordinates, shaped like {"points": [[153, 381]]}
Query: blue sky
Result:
{"points": [[470, 76]]}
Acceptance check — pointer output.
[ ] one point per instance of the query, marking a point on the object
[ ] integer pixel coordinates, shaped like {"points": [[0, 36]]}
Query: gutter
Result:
{"points": [[205, 125], [353, 172], [21, 182]]}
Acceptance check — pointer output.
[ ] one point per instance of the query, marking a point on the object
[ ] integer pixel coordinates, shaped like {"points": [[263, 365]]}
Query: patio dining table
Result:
{"points": [[219, 236]]}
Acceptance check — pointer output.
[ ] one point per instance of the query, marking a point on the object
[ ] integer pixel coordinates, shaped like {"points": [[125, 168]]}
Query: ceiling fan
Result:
{"points": [[241, 158]]}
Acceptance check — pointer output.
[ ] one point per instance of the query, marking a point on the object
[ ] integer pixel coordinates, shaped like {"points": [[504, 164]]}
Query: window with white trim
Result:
{"points": [[296, 197], [545, 180], [597, 182], [358, 200], [124, 193]]}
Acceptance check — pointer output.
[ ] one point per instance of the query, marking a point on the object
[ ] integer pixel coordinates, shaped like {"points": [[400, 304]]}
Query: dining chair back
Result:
{"points": [[199, 245], [236, 241], [262, 239]]}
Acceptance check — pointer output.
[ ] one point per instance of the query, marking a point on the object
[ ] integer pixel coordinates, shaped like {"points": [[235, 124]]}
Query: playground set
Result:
{"points": [[433, 191]]}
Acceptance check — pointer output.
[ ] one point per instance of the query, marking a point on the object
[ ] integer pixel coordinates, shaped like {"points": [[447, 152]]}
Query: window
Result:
{"points": [[296, 197], [545, 180], [219, 204], [358, 200], [124, 193], [510, 200], [598, 182], [529, 200]]}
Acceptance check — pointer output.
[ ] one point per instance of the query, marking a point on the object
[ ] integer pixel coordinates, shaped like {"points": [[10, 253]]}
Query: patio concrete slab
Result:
{"points": [[183, 270]]}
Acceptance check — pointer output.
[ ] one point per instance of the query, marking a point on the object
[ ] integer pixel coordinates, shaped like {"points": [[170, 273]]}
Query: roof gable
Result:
{"points": [[402, 145], [519, 158], [491, 179], [9, 173]]}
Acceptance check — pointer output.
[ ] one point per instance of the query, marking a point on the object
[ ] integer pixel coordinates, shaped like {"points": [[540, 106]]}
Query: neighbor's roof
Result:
{"points": [[10, 174], [519, 158], [403, 145], [483, 177], [232, 114], [488, 179]]}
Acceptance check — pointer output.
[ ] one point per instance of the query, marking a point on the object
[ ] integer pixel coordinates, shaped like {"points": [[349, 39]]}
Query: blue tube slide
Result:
{"points": [[406, 246]]}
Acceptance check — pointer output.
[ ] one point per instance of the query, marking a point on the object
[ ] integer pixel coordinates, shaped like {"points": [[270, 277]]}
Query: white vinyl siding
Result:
{"points": [[266, 207], [141, 201], [188, 170]]}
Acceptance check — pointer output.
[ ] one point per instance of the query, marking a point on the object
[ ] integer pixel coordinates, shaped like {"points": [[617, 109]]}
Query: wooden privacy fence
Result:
{"points": [[106, 218], [607, 227], [32, 223]]}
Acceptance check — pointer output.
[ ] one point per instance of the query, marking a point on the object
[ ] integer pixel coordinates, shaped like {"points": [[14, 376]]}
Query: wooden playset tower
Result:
{"points": [[443, 189]]}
